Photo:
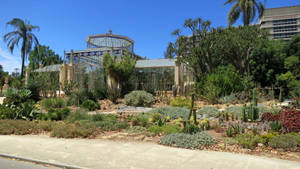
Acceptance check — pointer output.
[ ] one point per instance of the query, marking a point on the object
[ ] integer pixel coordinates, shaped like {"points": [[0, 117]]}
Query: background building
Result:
{"points": [[282, 23]]}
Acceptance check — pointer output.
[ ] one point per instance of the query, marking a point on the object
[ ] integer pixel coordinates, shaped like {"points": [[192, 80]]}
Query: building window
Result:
{"points": [[284, 35], [285, 28], [285, 21]]}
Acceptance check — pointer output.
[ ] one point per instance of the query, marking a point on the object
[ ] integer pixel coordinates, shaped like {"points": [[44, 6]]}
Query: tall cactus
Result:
{"points": [[244, 116]]}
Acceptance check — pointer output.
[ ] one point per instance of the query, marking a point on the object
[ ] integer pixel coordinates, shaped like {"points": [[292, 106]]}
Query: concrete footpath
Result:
{"points": [[96, 153]]}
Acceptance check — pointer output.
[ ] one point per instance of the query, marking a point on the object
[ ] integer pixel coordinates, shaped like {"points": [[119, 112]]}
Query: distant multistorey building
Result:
{"points": [[282, 23]]}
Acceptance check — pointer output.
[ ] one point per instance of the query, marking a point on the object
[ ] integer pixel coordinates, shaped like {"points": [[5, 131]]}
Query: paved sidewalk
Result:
{"points": [[104, 154]]}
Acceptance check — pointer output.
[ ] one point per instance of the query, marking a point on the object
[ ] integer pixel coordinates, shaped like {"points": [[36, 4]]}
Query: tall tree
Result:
{"points": [[197, 51], [23, 32], [248, 8], [43, 55]]}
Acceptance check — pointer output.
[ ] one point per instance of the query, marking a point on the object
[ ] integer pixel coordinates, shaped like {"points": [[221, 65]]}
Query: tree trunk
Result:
{"points": [[23, 62]]}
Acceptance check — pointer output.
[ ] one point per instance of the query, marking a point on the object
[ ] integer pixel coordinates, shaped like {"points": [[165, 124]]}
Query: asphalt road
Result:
{"points": [[6, 163]]}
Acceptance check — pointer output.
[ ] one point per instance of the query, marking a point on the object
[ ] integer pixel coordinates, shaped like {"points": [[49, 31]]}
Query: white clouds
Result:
{"points": [[9, 61]]}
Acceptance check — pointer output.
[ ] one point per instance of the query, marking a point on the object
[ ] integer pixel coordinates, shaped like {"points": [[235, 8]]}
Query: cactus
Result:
{"points": [[244, 117]]}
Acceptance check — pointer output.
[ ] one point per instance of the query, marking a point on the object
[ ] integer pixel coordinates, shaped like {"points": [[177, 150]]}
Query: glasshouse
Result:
{"points": [[85, 67]]}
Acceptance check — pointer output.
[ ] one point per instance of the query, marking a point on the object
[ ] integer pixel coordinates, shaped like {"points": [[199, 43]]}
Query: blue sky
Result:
{"points": [[65, 24]]}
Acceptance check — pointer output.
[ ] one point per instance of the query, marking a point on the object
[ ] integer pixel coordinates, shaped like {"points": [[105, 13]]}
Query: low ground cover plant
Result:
{"points": [[139, 98], [210, 111], [74, 130], [171, 112], [248, 140], [285, 141], [188, 140], [181, 102]]}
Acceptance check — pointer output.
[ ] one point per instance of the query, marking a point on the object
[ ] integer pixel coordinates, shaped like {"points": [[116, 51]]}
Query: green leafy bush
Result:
{"points": [[139, 121], [172, 112], [181, 102], [248, 140], [52, 103], [7, 112], [139, 98], [286, 141], [77, 130], [16, 96], [90, 105], [210, 110], [187, 140]]}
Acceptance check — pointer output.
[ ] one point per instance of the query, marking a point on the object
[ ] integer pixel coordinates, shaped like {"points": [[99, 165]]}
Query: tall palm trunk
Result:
{"points": [[23, 53]]}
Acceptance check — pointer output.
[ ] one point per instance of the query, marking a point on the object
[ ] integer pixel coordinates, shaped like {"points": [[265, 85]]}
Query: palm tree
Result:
{"points": [[23, 31], [248, 8]]}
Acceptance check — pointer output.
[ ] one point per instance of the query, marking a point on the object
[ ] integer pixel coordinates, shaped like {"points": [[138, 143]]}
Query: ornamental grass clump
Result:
{"points": [[52, 103], [139, 98]]}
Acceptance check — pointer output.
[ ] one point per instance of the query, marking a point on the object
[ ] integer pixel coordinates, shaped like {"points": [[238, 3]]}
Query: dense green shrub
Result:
{"points": [[187, 140], [19, 102], [286, 141], [7, 112], [210, 110], [90, 105], [16, 96], [181, 102], [52, 103], [172, 112], [139, 98], [248, 140], [77, 130]]}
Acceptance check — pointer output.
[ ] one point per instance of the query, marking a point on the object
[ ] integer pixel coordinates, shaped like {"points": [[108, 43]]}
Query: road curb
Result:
{"points": [[39, 161]]}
